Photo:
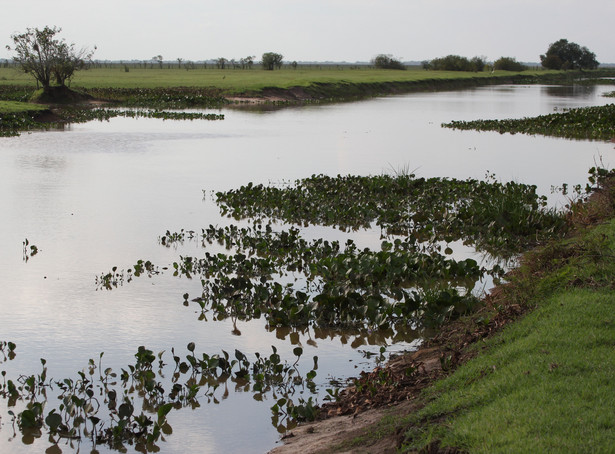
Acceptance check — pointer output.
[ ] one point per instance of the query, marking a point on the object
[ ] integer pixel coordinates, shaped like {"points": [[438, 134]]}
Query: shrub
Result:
{"points": [[508, 64], [455, 63], [383, 61]]}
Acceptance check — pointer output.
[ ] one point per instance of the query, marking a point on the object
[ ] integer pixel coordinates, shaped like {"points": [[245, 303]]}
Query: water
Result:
{"points": [[99, 195]]}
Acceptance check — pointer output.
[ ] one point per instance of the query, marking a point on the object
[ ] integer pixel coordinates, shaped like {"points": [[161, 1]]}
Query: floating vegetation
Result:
{"points": [[7, 350], [498, 218], [162, 98], [411, 280], [610, 94], [293, 282], [83, 115], [115, 278], [29, 250], [12, 123], [596, 123], [100, 404]]}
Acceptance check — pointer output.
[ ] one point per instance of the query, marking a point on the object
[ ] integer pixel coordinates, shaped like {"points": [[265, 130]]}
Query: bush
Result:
{"points": [[383, 61], [455, 63], [508, 64]]}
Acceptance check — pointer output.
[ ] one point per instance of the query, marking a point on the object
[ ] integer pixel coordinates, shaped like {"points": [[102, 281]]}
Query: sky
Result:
{"points": [[317, 30]]}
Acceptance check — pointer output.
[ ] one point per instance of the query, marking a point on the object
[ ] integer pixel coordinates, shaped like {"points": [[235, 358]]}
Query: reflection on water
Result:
{"points": [[355, 337], [100, 194], [572, 91]]}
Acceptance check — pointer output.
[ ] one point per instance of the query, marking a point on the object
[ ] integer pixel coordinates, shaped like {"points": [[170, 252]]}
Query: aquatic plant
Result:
{"points": [[12, 123], [499, 218], [595, 123], [29, 250], [167, 98], [100, 404]]}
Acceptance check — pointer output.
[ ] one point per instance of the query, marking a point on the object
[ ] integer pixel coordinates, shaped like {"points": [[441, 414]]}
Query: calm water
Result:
{"points": [[99, 195]]}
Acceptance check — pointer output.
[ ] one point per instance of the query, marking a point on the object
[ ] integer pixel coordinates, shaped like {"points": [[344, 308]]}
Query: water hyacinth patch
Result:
{"points": [[595, 123]]}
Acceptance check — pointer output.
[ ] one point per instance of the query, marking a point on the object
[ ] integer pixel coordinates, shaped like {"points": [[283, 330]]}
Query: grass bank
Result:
{"points": [[543, 385], [179, 88]]}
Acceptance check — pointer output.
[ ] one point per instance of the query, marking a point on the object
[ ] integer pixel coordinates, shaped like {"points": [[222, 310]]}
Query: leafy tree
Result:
{"points": [[221, 62], [567, 55], [45, 57], [384, 61], [508, 64], [272, 60]]}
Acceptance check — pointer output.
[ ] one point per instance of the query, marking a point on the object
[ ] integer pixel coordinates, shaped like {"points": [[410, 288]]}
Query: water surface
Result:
{"points": [[99, 195]]}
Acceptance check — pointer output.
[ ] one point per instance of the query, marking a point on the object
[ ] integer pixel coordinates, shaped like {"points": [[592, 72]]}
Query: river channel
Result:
{"points": [[100, 194]]}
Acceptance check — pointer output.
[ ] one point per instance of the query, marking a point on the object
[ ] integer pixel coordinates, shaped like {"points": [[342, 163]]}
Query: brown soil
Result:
{"points": [[274, 95], [62, 95], [394, 390]]}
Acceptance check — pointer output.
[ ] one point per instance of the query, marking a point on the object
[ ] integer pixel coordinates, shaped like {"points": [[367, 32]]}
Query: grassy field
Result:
{"points": [[238, 81]]}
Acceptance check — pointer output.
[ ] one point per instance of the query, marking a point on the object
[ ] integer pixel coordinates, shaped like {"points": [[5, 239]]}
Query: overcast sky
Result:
{"points": [[318, 30]]}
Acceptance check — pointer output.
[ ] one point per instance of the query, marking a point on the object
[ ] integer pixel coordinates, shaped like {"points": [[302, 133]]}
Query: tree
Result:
{"points": [[566, 55], [508, 64], [157, 59], [272, 60], [45, 57], [384, 61]]}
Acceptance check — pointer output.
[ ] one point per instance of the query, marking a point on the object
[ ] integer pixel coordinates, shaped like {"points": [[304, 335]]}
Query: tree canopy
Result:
{"points": [[272, 60], [47, 58], [384, 61], [567, 55]]}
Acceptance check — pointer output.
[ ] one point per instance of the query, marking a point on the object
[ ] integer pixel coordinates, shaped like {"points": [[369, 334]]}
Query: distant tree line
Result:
{"points": [[560, 55]]}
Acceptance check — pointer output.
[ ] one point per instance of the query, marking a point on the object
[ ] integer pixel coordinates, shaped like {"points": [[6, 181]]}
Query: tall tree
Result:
{"points": [[45, 57], [567, 55]]}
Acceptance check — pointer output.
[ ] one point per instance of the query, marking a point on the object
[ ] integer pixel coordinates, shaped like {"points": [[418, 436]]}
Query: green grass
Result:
{"points": [[12, 107], [246, 80], [545, 384]]}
